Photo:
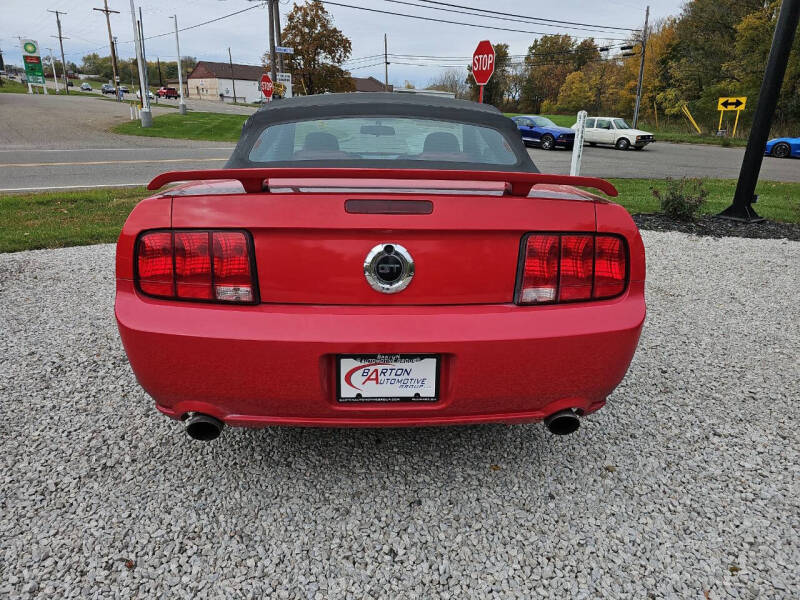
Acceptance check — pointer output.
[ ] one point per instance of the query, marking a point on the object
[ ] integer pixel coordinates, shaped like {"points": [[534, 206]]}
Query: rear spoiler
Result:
{"points": [[257, 180]]}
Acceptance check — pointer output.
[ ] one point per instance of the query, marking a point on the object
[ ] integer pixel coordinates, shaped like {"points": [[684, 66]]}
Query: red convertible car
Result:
{"points": [[371, 260]]}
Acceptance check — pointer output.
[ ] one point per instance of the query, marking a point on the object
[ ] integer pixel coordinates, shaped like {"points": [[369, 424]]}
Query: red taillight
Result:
{"points": [[610, 267], [572, 267], [154, 265], [196, 265]]}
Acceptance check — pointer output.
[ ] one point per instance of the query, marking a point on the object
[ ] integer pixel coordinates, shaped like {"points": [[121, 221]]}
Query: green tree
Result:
{"points": [[319, 49], [548, 62]]}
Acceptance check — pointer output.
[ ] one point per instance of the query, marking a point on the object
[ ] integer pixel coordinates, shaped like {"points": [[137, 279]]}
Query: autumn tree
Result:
{"points": [[319, 50], [753, 40], [575, 94]]}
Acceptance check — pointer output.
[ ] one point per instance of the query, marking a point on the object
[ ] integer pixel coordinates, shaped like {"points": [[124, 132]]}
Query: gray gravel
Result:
{"points": [[686, 483]]}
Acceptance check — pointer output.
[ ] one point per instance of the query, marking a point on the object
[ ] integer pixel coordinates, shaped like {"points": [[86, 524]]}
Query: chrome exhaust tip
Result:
{"points": [[203, 427], [563, 422]]}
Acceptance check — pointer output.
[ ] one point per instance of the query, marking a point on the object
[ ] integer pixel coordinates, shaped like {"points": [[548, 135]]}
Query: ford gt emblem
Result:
{"points": [[388, 268]]}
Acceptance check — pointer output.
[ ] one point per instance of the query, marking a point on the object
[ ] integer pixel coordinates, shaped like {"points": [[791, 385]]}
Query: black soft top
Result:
{"points": [[380, 104]]}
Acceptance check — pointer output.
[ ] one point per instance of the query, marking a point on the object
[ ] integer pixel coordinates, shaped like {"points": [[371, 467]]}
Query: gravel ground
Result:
{"points": [[685, 486]]}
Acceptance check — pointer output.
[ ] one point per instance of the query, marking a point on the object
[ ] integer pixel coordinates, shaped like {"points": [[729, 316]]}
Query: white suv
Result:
{"points": [[615, 132]]}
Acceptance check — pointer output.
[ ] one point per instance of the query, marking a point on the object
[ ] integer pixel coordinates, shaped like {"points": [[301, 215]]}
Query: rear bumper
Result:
{"points": [[276, 364]]}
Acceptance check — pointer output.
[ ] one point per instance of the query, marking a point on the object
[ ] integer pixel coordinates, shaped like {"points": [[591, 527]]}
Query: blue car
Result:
{"points": [[542, 132], [783, 147]]}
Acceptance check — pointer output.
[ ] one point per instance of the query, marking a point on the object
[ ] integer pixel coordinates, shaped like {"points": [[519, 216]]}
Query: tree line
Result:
{"points": [[713, 48], [128, 71]]}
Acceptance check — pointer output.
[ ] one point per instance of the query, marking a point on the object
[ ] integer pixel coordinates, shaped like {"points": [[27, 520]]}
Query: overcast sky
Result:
{"points": [[246, 33]]}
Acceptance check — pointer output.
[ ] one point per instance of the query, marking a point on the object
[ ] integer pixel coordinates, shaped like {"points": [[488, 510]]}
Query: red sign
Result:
{"points": [[266, 86], [483, 62]]}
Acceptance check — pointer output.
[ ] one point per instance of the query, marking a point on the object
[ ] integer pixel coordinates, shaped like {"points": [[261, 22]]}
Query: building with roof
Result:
{"points": [[216, 81]]}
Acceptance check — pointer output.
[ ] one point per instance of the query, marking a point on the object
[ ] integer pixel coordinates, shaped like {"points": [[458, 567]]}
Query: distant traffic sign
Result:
{"points": [[732, 103], [284, 50], [267, 86]]}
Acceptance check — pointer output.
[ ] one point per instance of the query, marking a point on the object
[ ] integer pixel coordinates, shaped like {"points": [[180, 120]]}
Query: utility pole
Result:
{"points": [[385, 64], [277, 18], [181, 104], [645, 33], [741, 209], [233, 81], [144, 59], [111, 42], [158, 62], [272, 59], [53, 64], [146, 115], [58, 14]]}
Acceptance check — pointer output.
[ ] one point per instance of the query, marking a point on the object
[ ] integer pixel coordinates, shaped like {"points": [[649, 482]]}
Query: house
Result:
{"points": [[369, 84], [217, 80]]}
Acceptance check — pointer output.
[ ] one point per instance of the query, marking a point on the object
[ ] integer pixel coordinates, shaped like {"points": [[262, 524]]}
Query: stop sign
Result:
{"points": [[266, 86], [483, 62]]}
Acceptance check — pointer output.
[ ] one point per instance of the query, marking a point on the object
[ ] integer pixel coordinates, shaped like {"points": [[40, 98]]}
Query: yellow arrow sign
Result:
{"points": [[732, 103]]}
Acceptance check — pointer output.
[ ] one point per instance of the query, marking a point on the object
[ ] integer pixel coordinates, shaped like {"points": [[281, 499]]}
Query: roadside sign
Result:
{"points": [[266, 86], [285, 79], [284, 50], [731, 103], [33, 62], [483, 65]]}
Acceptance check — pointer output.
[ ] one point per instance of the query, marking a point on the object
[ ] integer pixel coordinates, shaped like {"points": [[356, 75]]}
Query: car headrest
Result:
{"points": [[441, 141], [319, 140]]}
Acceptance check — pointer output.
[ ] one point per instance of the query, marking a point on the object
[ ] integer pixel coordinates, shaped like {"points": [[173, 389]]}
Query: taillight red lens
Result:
{"points": [[540, 270], [193, 265], [577, 257], [572, 267], [196, 265], [611, 267], [154, 264]]}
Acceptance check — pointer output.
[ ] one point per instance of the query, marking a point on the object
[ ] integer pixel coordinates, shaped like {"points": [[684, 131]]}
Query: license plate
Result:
{"points": [[388, 378]]}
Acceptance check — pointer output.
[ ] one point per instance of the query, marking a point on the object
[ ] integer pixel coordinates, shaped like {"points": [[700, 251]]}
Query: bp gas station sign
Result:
{"points": [[33, 62]]}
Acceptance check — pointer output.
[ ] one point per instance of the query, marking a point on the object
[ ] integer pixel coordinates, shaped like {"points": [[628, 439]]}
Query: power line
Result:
{"points": [[494, 27], [494, 15], [542, 19]]}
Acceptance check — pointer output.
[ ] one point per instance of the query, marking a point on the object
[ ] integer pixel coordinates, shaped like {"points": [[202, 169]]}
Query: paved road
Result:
{"points": [[661, 160], [53, 142]]}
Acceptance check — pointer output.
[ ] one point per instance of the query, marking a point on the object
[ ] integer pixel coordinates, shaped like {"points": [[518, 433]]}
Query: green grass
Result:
{"points": [[15, 87], [213, 127], [58, 219], [81, 217], [777, 201]]}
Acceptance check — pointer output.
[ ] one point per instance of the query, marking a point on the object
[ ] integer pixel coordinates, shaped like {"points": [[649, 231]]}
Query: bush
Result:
{"points": [[682, 198], [726, 142]]}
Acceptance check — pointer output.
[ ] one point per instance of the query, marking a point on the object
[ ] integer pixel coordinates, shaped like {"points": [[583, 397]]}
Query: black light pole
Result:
{"points": [[741, 209]]}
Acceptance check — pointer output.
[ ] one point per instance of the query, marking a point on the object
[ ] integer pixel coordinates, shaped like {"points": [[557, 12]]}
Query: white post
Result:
{"points": [[181, 103], [577, 146], [147, 118], [53, 65]]}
